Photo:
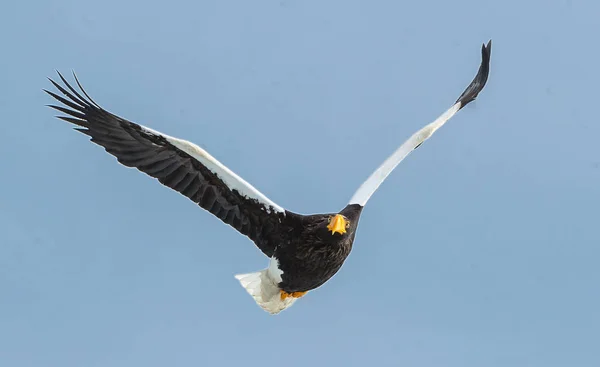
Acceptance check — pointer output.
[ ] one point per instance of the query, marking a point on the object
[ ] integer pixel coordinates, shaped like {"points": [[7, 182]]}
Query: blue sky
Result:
{"points": [[479, 250]]}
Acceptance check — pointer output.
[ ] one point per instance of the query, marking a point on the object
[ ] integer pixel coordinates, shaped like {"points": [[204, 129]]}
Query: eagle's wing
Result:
{"points": [[364, 192], [176, 163]]}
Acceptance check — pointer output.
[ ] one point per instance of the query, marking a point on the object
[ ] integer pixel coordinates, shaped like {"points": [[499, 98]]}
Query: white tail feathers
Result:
{"points": [[265, 291]]}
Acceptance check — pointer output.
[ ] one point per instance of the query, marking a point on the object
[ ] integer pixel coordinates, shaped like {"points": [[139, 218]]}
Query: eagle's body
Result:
{"points": [[309, 255], [304, 250]]}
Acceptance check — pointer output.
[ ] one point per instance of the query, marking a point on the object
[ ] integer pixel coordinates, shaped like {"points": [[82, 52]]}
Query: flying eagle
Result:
{"points": [[304, 251]]}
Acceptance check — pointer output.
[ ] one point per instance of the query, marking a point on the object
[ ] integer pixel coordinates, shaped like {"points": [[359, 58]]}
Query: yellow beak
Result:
{"points": [[337, 224]]}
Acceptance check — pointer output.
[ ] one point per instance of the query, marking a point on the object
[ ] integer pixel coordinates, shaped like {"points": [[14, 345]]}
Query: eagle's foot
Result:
{"points": [[283, 294]]}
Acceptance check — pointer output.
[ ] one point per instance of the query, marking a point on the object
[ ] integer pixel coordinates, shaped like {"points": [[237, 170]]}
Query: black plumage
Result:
{"points": [[311, 254]]}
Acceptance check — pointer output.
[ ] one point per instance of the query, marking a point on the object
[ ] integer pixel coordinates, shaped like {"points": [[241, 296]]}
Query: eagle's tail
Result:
{"points": [[265, 292]]}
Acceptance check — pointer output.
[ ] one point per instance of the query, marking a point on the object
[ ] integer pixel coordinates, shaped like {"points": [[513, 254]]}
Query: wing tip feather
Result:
{"points": [[74, 104], [477, 84]]}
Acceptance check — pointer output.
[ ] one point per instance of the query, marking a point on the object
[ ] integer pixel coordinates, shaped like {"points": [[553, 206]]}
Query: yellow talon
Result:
{"points": [[283, 294]]}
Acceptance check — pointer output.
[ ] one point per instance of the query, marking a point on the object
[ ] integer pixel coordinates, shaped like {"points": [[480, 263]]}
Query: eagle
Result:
{"points": [[304, 251]]}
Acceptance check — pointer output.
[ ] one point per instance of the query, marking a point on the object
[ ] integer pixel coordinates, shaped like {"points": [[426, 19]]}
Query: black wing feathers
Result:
{"points": [[480, 79], [136, 147]]}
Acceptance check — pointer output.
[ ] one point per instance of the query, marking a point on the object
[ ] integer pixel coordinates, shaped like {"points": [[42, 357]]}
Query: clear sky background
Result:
{"points": [[481, 249]]}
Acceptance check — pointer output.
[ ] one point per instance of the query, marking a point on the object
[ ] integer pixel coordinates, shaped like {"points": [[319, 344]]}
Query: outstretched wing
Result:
{"points": [[364, 192], [176, 163]]}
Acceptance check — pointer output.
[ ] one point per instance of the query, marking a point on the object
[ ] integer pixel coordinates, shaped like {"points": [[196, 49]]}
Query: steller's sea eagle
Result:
{"points": [[304, 250]]}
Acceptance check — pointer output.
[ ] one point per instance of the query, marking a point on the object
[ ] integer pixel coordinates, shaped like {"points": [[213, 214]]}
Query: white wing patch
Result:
{"points": [[367, 189], [233, 181]]}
